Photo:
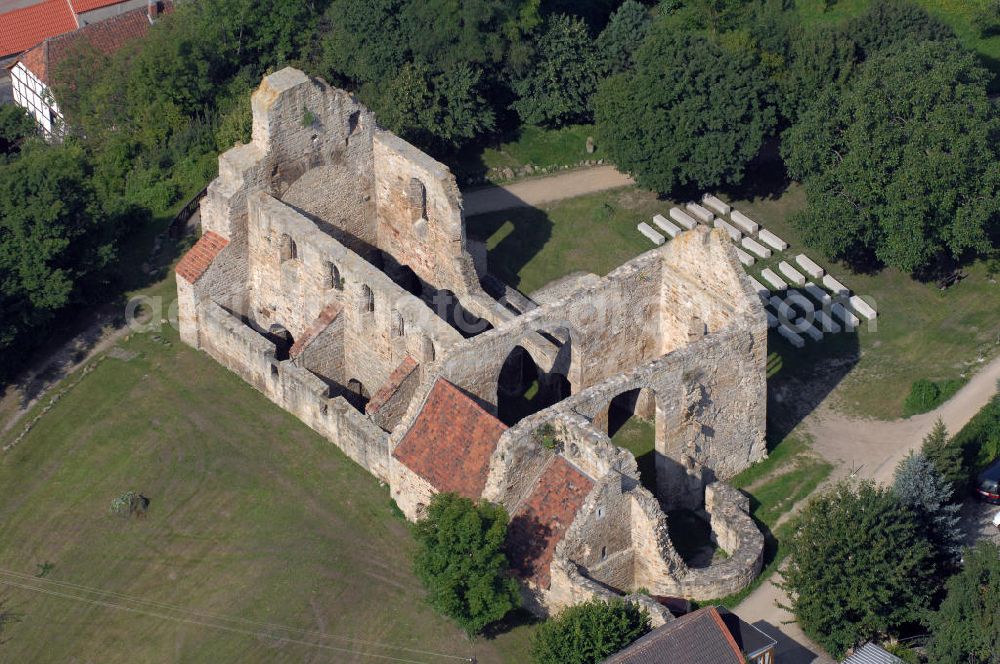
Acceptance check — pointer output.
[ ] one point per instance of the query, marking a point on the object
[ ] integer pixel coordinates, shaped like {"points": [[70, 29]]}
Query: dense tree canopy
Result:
{"points": [[15, 126], [691, 112], [621, 38], [889, 22], [859, 566], [461, 561], [56, 239], [589, 632], [904, 165], [967, 626], [556, 89]]}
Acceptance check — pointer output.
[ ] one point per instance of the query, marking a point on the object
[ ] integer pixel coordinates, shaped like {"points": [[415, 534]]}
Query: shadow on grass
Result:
{"points": [[513, 238], [510, 622], [800, 379]]}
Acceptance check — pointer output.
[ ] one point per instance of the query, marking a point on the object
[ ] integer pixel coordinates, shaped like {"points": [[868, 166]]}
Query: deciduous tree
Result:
{"points": [[589, 632], [461, 561], [859, 566], [903, 166], [691, 113]]}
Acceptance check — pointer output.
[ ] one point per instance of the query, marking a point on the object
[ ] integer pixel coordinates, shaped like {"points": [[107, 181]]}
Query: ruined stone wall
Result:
{"points": [[381, 323], [420, 215], [600, 537]]}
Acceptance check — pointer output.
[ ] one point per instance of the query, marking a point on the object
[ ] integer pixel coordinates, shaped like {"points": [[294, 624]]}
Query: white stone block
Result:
{"points": [[771, 240], [761, 289], [791, 274], [648, 231], [776, 282], [700, 213], [772, 320], [792, 336], [843, 313], [755, 247], [813, 333], [863, 308], [807, 264], [818, 294], [744, 223], [744, 257], [666, 225], [685, 220], [714, 204], [835, 287], [826, 323], [734, 234]]}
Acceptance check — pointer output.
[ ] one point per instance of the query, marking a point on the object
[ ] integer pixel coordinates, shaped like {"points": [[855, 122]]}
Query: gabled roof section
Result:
{"points": [[326, 316], [872, 654], [700, 637], [23, 28], [200, 256], [396, 378], [106, 36], [540, 522], [451, 442]]}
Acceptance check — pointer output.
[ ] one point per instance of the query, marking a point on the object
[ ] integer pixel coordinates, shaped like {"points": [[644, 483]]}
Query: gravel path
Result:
{"points": [[868, 449], [536, 191]]}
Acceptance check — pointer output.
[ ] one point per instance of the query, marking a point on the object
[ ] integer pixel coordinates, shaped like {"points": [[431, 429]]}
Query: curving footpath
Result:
{"points": [[868, 449], [537, 191]]}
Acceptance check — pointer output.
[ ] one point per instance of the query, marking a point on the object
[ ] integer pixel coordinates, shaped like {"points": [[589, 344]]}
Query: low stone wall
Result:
{"points": [[240, 349]]}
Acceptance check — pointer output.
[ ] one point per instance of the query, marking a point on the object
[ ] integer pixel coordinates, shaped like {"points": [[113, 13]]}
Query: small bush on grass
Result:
{"points": [[927, 395], [588, 633]]}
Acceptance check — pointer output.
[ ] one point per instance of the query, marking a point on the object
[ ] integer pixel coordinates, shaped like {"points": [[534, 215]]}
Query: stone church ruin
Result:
{"points": [[335, 276]]}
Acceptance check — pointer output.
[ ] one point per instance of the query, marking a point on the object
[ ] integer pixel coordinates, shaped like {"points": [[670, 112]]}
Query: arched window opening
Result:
{"points": [[417, 195], [288, 248], [523, 389], [332, 277], [631, 425], [366, 303]]}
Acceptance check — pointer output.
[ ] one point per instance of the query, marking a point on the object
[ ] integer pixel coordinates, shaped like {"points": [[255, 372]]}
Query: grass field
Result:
{"points": [[539, 147], [253, 516], [922, 332]]}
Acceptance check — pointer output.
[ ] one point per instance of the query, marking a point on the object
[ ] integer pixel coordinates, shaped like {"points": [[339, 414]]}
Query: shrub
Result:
{"points": [[589, 632], [927, 395]]}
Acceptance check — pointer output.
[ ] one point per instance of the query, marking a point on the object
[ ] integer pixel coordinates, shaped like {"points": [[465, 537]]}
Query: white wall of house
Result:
{"points": [[34, 96]]}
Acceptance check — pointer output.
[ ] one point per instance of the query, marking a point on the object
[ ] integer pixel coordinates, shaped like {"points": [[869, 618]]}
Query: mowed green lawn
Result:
{"points": [[921, 332], [253, 517]]}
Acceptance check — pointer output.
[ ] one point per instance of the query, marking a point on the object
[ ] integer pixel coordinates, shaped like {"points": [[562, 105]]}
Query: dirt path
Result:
{"points": [[536, 191], [868, 449], [872, 448]]}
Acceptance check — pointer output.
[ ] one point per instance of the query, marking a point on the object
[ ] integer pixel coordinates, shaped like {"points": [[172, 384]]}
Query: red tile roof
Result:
{"points": [[451, 442], [106, 36], [20, 29], [327, 316], [200, 256], [80, 6], [399, 374], [541, 520]]}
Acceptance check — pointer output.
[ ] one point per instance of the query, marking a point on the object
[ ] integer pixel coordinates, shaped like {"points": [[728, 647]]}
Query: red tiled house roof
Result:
{"points": [[80, 6], [451, 442], [200, 256], [106, 36], [20, 29], [327, 316], [700, 637], [542, 519]]}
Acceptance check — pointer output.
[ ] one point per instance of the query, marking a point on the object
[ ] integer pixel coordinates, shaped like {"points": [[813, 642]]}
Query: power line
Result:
{"points": [[35, 582]]}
